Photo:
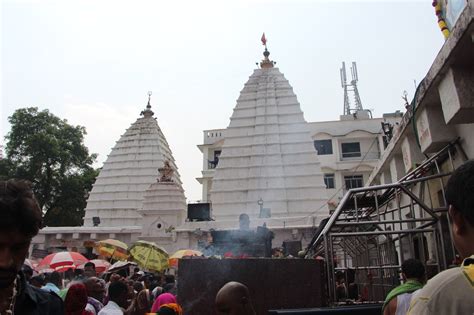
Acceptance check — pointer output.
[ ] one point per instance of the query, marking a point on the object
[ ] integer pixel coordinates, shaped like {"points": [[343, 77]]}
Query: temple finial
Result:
{"points": [[149, 98], [148, 112], [266, 63]]}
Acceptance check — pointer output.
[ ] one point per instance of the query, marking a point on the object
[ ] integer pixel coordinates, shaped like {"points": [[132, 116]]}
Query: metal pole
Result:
{"points": [[437, 250], [440, 229], [332, 268]]}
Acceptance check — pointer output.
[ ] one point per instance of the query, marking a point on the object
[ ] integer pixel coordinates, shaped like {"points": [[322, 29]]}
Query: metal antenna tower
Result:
{"points": [[350, 87]]}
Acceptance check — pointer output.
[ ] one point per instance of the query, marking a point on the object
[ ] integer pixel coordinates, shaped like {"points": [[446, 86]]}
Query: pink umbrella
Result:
{"points": [[100, 265], [62, 260]]}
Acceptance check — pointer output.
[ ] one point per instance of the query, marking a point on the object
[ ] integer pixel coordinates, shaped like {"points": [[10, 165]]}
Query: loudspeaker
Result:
{"points": [[199, 211], [292, 248], [96, 221]]}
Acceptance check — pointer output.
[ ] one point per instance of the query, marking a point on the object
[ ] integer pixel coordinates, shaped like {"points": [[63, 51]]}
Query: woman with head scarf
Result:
{"points": [[76, 300], [164, 298]]}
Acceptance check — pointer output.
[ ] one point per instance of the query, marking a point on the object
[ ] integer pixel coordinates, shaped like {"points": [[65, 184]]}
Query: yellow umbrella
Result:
{"points": [[113, 249], [149, 255]]}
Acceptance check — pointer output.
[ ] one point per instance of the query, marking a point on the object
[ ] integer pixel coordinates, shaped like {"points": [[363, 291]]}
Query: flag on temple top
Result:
{"points": [[264, 40]]}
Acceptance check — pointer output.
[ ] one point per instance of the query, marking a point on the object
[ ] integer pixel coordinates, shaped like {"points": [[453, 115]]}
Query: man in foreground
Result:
{"points": [[452, 291], [234, 299], [95, 295], [20, 221], [398, 300], [118, 294], [54, 283]]}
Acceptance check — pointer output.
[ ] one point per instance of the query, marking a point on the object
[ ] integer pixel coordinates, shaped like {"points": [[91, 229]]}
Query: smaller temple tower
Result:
{"points": [[129, 170], [164, 208]]}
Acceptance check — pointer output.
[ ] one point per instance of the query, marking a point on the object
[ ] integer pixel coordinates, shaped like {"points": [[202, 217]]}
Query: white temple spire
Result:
{"points": [[268, 154]]}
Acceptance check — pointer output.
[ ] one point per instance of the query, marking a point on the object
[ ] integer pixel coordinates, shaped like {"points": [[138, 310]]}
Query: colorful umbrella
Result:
{"points": [[173, 260], [121, 265], [149, 255], [113, 249], [62, 260], [100, 265]]}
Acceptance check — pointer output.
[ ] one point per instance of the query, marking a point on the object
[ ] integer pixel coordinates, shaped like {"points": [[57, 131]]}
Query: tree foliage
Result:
{"points": [[50, 152]]}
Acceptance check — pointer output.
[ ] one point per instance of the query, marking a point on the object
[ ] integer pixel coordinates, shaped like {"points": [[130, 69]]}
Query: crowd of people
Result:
{"points": [[118, 292], [81, 291]]}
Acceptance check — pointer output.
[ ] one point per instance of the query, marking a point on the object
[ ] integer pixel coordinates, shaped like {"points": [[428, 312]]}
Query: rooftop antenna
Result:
{"points": [[350, 87]]}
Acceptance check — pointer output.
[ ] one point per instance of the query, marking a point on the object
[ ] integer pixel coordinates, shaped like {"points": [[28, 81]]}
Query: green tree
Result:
{"points": [[50, 152]]}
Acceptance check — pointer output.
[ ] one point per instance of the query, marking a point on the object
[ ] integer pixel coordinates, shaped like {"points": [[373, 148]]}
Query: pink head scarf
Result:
{"points": [[164, 298]]}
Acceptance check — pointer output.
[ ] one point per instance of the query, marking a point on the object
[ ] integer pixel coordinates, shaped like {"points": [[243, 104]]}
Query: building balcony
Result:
{"points": [[358, 156]]}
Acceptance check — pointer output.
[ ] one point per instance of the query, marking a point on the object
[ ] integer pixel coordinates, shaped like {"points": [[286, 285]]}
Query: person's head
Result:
{"points": [[234, 299], [165, 298], [55, 278], [169, 287], [138, 286], [170, 309], [89, 269], [27, 271], [95, 288], [76, 299], [115, 277], [20, 221], [118, 293], [170, 279], [460, 200], [413, 269], [78, 273], [37, 281], [69, 274]]}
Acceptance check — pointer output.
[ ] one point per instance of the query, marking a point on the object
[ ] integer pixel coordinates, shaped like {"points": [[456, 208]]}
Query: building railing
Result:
{"points": [[357, 156], [213, 135]]}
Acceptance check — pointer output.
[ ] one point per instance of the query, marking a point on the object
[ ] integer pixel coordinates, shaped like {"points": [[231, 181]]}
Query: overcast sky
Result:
{"points": [[92, 62]]}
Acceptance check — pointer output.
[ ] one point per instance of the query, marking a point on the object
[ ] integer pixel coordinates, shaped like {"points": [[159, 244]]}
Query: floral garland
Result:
{"points": [[441, 22]]}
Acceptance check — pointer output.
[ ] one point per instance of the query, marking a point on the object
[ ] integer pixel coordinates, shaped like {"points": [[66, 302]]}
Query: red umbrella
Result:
{"points": [[100, 265], [62, 260]]}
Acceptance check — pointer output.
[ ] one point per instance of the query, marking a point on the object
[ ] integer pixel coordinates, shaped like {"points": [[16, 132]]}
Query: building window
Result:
{"points": [[329, 181], [353, 181], [350, 149], [323, 147]]}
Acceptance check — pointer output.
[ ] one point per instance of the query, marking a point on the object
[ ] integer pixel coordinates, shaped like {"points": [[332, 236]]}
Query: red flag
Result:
{"points": [[264, 40]]}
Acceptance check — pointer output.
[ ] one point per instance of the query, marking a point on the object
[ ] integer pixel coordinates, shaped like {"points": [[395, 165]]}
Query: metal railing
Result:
{"points": [[374, 229], [357, 156]]}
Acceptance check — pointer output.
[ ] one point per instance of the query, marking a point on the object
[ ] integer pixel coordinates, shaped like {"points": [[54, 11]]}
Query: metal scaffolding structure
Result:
{"points": [[374, 229]]}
